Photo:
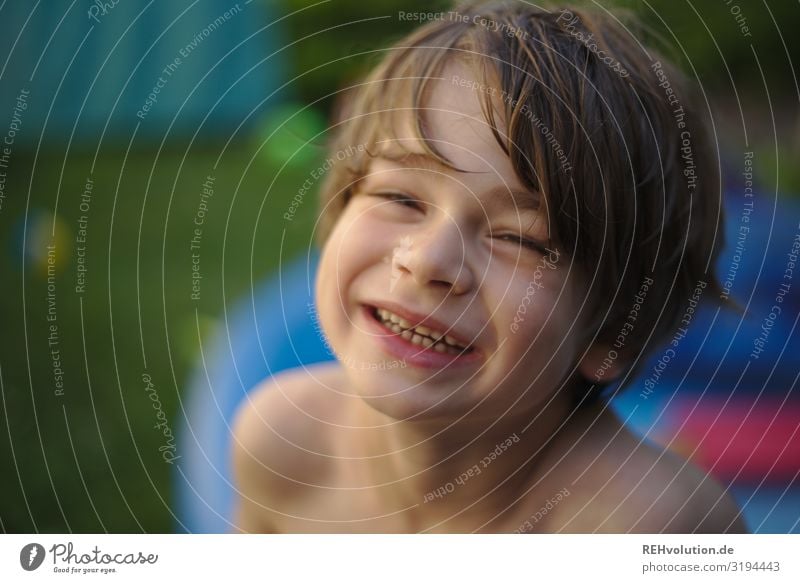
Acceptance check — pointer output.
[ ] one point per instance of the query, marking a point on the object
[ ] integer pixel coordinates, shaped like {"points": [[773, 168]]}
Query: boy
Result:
{"points": [[511, 224]]}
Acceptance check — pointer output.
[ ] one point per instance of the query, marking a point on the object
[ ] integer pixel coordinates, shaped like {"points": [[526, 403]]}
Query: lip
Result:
{"points": [[416, 319], [414, 354]]}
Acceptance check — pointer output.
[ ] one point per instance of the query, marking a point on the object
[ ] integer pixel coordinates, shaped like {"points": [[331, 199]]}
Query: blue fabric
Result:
{"points": [[93, 75], [271, 330], [711, 358]]}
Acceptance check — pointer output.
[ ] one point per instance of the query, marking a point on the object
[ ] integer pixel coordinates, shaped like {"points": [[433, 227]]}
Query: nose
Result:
{"points": [[435, 256]]}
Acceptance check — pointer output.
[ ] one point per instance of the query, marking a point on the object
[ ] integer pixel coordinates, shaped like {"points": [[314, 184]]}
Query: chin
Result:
{"points": [[403, 399]]}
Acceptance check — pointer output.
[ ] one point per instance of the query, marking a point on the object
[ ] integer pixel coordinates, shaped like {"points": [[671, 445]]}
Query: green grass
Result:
{"points": [[89, 460]]}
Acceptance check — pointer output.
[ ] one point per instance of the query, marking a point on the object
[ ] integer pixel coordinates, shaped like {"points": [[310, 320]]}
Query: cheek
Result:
{"points": [[351, 254], [355, 243], [539, 311]]}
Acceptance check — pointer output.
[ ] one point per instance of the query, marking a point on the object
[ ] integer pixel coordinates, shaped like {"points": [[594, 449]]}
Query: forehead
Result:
{"points": [[447, 133], [431, 119], [450, 114]]}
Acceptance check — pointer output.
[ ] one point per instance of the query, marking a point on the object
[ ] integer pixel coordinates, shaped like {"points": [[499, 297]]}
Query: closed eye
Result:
{"points": [[527, 243], [400, 198]]}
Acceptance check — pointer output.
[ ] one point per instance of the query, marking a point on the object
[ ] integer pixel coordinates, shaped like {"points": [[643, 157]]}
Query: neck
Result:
{"points": [[465, 471]]}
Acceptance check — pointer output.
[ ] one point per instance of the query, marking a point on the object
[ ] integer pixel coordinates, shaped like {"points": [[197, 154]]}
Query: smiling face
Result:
{"points": [[459, 252]]}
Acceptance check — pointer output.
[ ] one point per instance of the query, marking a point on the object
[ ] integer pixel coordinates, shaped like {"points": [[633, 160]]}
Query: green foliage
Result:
{"points": [[342, 38]]}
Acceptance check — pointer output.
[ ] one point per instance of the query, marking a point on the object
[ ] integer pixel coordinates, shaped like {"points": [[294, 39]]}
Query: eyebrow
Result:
{"points": [[410, 159], [503, 195], [498, 196]]}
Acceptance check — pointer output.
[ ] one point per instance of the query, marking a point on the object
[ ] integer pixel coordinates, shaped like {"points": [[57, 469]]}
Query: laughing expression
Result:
{"points": [[439, 285]]}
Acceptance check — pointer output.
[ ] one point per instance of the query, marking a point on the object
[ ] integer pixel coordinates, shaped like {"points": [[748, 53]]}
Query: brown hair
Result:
{"points": [[599, 124]]}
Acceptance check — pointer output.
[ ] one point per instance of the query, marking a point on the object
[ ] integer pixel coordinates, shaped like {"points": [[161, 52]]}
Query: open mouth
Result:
{"points": [[419, 335]]}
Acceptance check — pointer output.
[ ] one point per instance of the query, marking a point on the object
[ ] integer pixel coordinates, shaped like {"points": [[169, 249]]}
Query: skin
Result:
{"points": [[360, 448]]}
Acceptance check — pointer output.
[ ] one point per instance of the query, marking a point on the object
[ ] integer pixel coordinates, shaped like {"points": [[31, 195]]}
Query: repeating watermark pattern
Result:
{"points": [[176, 63], [524, 110], [670, 353], [167, 450], [319, 172], [99, 9], [744, 227], [630, 320], [80, 237], [548, 261], [211, 27], [567, 20], [53, 336], [379, 365], [551, 503], [454, 16], [161, 82], [422, 16], [551, 140], [760, 342], [345, 360], [199, 221], [311, 310], [687, 155], [8, 140], [740, 18], [473, 471]]}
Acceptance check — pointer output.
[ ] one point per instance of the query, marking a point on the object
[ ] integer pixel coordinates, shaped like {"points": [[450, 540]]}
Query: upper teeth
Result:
{"points": [[423, 331]]}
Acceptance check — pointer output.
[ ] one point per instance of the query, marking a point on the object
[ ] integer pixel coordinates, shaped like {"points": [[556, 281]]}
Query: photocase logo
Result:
{"points": [[31, 556]]}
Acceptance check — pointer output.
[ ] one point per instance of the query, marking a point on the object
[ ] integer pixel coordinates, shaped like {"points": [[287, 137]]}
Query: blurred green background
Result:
{"points": [[89, 460]]}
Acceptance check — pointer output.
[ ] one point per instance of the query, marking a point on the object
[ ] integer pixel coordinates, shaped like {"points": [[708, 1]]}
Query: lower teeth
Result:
{"points": [[409, 335]]}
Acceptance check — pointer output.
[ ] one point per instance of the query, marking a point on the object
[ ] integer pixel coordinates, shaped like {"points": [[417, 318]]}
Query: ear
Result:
{"points": [[601, 364]]}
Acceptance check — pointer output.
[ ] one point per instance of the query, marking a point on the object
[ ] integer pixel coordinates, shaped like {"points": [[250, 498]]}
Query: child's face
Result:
{"points": [[452, 257]]}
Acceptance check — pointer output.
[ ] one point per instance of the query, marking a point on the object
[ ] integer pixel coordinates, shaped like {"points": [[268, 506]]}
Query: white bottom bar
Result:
{"points": [[401, 558]]}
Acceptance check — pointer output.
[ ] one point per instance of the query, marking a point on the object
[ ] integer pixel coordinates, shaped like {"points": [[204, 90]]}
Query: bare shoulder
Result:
{"points": [[671, 494], [626, 484], [280, 440]]}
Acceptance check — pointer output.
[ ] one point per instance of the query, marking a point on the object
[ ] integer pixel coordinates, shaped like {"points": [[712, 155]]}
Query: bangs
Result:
{"points": [[391, 121], [385, 114], [387, 111]]}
